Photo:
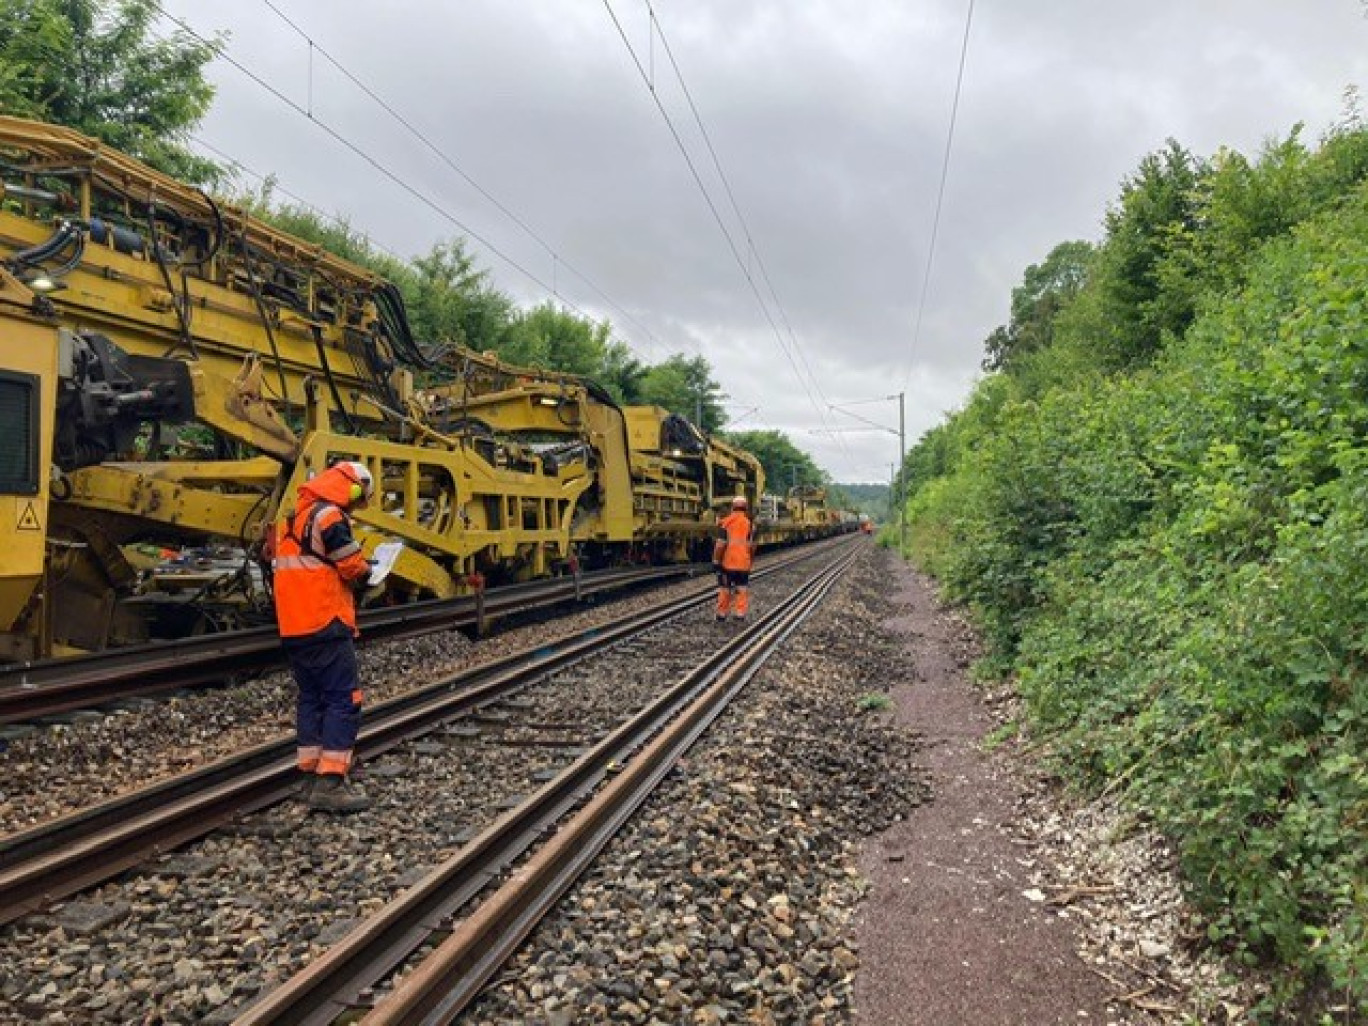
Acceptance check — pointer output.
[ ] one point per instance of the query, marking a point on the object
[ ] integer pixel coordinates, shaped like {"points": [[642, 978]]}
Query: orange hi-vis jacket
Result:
{"points": [[317, 559], [736, 550]]}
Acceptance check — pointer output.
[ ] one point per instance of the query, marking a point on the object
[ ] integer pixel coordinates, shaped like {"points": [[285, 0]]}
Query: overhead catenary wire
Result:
{"points": [[867, 402], [658, 27], [712, 206], [274, 184], [872, 424], [940, 192], [308, 112], [373, 161], [558, 260]]}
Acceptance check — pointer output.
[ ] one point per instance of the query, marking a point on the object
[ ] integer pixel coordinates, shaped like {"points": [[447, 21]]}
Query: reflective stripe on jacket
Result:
{"points": [[317, 559], [734, 547]]}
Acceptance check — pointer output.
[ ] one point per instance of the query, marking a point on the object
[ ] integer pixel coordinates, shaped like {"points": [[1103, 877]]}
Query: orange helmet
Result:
{"points": [[362, 485]]}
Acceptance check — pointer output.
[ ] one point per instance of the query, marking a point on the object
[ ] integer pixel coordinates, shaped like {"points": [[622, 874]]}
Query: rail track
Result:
{"points": [[50, 687], [572, 818], [61, 857]]}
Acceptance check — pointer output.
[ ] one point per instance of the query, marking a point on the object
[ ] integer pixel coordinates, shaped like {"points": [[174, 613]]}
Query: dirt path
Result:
{"points": [[952, 931]]}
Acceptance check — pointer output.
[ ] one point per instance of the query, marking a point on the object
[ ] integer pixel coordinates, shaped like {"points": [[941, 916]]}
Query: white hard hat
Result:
{"points": [[739, 502]]}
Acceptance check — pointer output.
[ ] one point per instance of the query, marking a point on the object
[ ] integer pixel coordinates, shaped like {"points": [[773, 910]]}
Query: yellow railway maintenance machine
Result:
{"points": [[659, 484], [172, 369]]}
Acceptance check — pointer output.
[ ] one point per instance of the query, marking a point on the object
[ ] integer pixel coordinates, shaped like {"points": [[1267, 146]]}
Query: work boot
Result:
{"points": [[305, 786], [335, 793]]}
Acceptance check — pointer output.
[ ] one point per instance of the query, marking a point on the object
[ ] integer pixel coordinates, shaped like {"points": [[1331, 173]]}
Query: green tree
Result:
{"points": [[623, 375], [1242, 203], [556, 339], [1156, 215], [1158, 521], [94, 66], [871, 499], [1046, 289], [785, 464], [682, 385], [449, 298]]}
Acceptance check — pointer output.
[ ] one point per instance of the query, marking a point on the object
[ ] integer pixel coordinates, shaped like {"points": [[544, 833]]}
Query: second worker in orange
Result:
{"points": [[733, 554]]}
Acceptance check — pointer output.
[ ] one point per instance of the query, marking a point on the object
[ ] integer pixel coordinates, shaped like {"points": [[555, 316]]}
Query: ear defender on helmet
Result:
{"points": [[361, 483]]}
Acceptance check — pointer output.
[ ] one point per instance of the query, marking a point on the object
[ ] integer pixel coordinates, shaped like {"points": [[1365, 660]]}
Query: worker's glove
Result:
{"points": [[721, 574], [362, 584]]}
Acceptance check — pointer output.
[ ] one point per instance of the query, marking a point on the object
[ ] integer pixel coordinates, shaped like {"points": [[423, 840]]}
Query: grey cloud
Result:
{"points": [[830, 118]]}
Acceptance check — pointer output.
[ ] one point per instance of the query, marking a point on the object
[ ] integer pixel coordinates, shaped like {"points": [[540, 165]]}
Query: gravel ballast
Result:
{"points": [[729, 896], [195, 937], [840, 847], [63, 766]]}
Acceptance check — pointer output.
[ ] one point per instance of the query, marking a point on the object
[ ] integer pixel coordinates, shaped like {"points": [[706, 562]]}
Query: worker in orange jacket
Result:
{"points": [[317, 564], [733, 553]]}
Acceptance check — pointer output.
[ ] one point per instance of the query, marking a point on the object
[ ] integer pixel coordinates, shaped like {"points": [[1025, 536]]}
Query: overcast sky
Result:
{"points": [[830, 120]]}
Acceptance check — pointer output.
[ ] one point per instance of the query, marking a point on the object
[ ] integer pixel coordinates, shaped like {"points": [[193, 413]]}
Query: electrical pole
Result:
{"points": [[902, 459]]}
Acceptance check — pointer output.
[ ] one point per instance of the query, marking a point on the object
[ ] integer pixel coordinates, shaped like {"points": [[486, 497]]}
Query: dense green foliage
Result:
{"points": [[1045, 290], [96, 66], [1160, 517], [450, 299], [871, 499], [785, 464], [684, 385]]}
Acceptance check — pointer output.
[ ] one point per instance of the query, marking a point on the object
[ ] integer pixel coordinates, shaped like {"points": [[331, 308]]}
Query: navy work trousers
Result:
{"points": [[328, 714]]}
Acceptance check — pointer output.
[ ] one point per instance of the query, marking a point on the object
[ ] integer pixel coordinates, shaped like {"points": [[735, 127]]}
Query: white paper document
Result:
{"points": [[384, 556]]}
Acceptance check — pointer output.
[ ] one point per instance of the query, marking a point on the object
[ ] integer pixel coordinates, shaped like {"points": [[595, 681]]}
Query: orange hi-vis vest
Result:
{"points": [[313, 579], [737, 547]]}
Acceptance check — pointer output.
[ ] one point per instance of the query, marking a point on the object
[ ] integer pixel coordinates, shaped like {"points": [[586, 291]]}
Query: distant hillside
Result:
{"points": [[868, 498]]}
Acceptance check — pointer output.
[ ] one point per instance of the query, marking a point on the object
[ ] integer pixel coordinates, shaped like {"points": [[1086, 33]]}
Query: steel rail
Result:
{"points": [[59, 858], [342, 981], [50, 687]]}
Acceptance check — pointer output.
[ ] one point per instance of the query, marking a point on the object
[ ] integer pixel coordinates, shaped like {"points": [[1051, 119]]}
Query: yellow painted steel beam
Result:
{"points": [[450, 505], [258, 472], [140, 490]]}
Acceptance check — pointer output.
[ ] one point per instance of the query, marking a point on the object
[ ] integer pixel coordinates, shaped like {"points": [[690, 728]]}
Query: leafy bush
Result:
{"points": [[1173, 559]]}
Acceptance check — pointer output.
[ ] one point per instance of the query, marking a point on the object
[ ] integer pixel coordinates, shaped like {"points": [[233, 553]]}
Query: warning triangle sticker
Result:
{"points": [[28, 519]]}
